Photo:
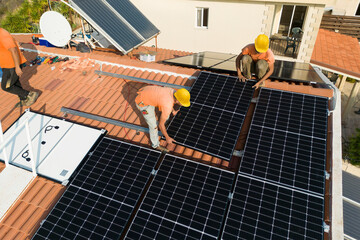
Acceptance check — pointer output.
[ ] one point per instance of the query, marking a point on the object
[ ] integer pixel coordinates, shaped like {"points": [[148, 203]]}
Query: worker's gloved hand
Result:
{"points": [[242, 79]]}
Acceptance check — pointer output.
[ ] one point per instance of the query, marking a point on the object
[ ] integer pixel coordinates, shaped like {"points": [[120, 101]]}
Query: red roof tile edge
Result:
{"points": [[338, 69]]}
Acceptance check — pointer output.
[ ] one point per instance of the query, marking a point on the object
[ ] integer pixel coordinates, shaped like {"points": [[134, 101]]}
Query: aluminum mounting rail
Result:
{"points": [[106, 120], [101, 73]]}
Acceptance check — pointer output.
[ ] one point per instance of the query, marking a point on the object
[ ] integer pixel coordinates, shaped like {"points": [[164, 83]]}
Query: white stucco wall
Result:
{"points": [[232, 25], [344, 7]]}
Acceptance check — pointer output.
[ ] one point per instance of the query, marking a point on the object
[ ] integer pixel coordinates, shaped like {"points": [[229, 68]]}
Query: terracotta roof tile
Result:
{"points": [[337, 51], [24, 217]]}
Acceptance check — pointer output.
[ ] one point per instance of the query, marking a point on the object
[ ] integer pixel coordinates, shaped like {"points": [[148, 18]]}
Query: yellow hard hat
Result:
{"points": [[262, 43], [183, 96]]}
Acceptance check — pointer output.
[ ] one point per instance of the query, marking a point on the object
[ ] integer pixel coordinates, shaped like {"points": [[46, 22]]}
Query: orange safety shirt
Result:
{"points": [[7, 42], [160, 97], [251, 51]]}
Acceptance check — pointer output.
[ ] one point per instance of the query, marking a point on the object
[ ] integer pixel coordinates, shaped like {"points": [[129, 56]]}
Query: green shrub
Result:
{"points": [[25, 19], [352, 149], [350, 80]]}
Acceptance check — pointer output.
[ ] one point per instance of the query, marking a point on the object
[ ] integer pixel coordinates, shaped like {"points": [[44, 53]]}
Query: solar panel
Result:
{"points": [[120, 22], [213, 122], [287, 140], [133, 16], [261, 210], [186, 200], [222, 92], [102, 196], [225, 63]]}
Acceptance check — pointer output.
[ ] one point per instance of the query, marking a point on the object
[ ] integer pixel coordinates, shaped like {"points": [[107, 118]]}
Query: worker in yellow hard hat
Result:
{"points": [[256, 58], [164, 99]]}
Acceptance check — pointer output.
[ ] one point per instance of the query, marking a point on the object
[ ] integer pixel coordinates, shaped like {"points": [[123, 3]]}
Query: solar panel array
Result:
{"points": [[279, 193], [186, 200], [100, 200], [120, 22], [213, 122], [287, 140]]}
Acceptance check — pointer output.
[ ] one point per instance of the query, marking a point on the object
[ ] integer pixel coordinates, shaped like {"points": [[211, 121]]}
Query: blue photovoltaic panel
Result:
{"points": [[114, 19], [133, 16], [186, 200], [222, 92], [214, 119], [287, 140], [207, 129], [99, 201], [293, 112], [261, 210]]}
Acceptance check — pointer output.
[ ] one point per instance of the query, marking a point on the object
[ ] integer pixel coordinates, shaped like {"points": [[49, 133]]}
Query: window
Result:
{"points": [[202, 17], [291, 17]]}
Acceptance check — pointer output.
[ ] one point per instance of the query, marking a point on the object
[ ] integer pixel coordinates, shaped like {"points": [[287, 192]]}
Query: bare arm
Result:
{"points": [[241, 77], [162, 128], [268, 74], [16, 57]]}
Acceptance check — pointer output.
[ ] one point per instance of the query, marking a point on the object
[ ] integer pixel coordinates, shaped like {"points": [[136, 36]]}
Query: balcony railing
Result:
{"points": [[279, 44]]}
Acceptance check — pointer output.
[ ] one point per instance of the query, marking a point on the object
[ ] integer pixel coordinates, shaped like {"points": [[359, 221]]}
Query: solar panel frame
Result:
{"points": [[116, 173], [281, 147], [111, 24], [262, 210], [222, 92], [185, 200], [136, 18], [314, 111], [207, 130], [213, 121]]}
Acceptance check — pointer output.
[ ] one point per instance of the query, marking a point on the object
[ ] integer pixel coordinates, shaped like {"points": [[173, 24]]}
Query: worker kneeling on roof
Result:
{"points": [[256, 58], [164, 99]]}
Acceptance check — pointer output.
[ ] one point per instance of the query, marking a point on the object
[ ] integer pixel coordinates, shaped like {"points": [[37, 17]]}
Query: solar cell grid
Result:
{"points": [[99, 201], [261, 210], [132, 15], [185, 200], [214, 119], [81, 214], [287, 140], [287, 158], [293, 112], [98, 14], [207, 129], [223, 92], [117, 171]]}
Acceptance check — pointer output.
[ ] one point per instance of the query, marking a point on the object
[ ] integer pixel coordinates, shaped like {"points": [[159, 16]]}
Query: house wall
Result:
{"points": [[344, 7], [310, 27], [232, 25]]}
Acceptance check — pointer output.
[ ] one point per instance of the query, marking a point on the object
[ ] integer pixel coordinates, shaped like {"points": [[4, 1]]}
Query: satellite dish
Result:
{"points": [[55, 28]]}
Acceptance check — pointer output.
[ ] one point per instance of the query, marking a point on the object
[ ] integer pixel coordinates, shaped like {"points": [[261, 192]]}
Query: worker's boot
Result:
{"points": [[31, 98]]}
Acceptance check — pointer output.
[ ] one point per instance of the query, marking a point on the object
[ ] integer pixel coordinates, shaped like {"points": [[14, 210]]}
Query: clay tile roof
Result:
{"points": [[337, 51], [30, 209]]}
